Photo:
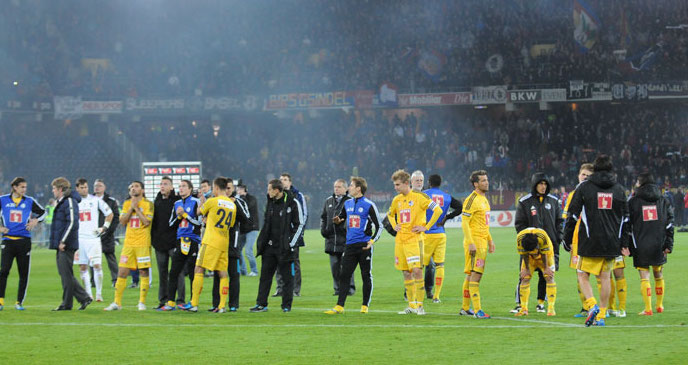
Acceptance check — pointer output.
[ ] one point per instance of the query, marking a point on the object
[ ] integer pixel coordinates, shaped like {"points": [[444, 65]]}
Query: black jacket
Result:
{"points": [[164, 236], [243, 218], [304, 211], [252, 204], [601, 204], [334, 234], [652, 226], [107, 239], [541, 212], [65, 226], [292, 226]]}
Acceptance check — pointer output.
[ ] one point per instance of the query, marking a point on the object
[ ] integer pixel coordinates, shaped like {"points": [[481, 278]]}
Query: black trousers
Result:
{"points": [[336, 269], [21, 251], [273, 260], [181, 264], [112, 265], [296, 274], [430, 277], [70, 286], [356, 256], [234, 272], [163, 258]]}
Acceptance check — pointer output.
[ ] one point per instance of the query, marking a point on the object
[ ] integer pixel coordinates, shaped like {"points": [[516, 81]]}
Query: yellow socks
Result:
{"points": [[551, 298], [2, 301], [646, 293], [621, 291], [466, 303], [170, 303], [119, 290], [659, 291], [612, 294], [197, 288], [439, 279], [410, 286], [525, 294], [580, 293], [602, 314], [474, 289], [143, 291], [224, 291], [589, 303], [420, 292]]}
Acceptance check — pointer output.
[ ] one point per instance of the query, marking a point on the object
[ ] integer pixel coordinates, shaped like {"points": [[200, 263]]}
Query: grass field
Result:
{"points": [[306, 335]]}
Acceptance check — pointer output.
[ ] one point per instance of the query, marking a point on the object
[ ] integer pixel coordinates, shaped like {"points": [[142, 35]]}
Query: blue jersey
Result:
{"points": [[362, 220], [189, 223], [15, 216], [445, 201]]}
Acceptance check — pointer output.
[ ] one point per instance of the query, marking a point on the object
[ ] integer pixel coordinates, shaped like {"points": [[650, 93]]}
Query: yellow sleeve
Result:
{"points": [[550, 248], [566, 207], [436, 213], [392, 214], [126, 206], [489, 236], [150, 209], [465, 225]]}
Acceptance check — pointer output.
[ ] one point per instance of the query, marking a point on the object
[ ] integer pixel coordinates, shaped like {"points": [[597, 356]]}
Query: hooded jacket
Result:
{"points": [[65, 227], [541, 211], [600, 203], [292, 223], [652, 226], [334, 234]]}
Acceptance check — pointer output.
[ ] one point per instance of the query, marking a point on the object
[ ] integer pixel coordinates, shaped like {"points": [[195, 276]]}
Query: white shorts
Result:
{"points": [[90, 252]]}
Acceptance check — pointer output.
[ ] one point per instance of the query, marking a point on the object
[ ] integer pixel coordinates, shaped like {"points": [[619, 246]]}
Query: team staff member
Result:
{"points": [[107, 239], [248, 232], [335, 233], [435, 245], [652, 224], [477, 242], [243, 218], [601, 204], [164, 239], [184, 217], [536, 253], [220, 214], [362, 230], [540, 209], [583, 174], [407, 215], [17, 222], [64, 238], [285, 178], [137, 216], [277, 243]]}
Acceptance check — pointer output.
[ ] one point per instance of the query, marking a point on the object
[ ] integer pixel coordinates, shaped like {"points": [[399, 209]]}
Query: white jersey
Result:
{"points": [[88, 216]]}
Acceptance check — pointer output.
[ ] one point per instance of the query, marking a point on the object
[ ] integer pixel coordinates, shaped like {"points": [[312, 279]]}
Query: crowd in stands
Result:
{"points": [[114, 49]]}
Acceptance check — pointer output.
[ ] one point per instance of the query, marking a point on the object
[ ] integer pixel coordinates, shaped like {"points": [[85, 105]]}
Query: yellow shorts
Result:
{"points": [[595, 265], [534, 264], [573, 263], [435, 247], [619, 262], [654, 268], [408, 255], [135, 257], [211, 258], [475, 262]]}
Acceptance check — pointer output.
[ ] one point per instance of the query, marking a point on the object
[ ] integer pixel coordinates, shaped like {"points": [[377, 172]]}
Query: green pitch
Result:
{"points": [[306, 335]]}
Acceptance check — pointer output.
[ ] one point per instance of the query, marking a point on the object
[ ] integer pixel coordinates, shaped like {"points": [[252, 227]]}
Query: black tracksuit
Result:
{"points": [[163, 240], [600, 203], [335, 238], [540, 211], [277, 244], [652, 226], [107, 239]]}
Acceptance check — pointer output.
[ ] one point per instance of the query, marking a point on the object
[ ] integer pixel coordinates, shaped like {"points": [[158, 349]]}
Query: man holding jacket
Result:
{"points": [[277, 243], [600, 203], [335, 234], [64, 237], [540, 209], [107, 239]]}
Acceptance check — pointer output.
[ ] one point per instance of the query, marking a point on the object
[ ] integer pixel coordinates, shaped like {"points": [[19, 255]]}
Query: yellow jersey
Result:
{"points": [[475, 220], [574, 240], [410, 209], [544, 246], [220, 212], [136, 234]]}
